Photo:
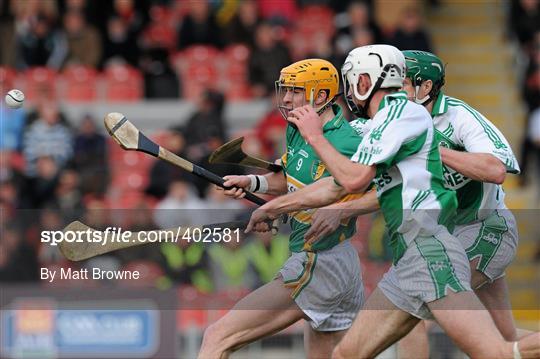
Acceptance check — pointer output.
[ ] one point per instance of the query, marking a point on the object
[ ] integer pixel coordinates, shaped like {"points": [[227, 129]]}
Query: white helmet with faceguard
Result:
{"points": [[385, 66]]}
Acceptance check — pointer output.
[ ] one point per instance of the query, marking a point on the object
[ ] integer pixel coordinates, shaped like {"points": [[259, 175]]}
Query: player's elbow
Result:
{"points": [[354, 185]]}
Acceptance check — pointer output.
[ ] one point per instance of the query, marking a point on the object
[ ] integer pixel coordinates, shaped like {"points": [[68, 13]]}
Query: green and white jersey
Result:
{"points": [[361, 126], [409, 178], [303, 167], [460, 127]]}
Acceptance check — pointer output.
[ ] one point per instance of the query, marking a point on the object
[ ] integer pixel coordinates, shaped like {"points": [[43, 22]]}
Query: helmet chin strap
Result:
{"points": [[362, 111], [423, 101], [325, 106]]}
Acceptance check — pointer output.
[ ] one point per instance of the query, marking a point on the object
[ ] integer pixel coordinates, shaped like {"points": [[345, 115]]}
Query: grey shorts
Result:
{"points": [[428, 269], [493, 241], [327, 285]]}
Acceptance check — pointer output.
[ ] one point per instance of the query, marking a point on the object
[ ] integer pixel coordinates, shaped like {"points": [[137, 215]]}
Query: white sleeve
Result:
{"points": [[386, 139], [478, 135], [360, 126]]}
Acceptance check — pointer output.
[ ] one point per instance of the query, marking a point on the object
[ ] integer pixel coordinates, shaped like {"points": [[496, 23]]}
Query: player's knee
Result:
{"points": [[217, 336], [213, 335]]}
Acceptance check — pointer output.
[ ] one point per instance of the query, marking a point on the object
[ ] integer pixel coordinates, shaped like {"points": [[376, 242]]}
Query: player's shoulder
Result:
{"points": [[343, 136], [461, 109], [404, 111]]}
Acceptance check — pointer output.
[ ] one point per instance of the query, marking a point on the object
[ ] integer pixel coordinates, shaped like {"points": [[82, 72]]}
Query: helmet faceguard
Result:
{"points": [[311, 76], [385, 66], [423, 66]]}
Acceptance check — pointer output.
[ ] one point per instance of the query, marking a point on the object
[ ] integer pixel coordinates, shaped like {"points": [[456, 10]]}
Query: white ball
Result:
{"points": [[14, 98]]}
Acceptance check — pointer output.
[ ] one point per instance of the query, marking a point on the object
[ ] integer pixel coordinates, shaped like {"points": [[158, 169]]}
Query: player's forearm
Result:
{"points": [[277, 183], [354, 177], [318, 194], [482, 167], [368, 203]]}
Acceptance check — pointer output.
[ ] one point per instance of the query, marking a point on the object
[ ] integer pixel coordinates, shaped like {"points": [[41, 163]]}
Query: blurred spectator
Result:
{"points": [[357, 20], [8, 192], [230, 264], [84, 41], [531, 89], [130, 14], [18, 262], [47, 137], [68, 196], [120, 43], [267, 59], [242, 27], [139, 218], [7, 34], [181, 207], [162, 174], [38, 189], [270, 132], [187, 264], [205, 129], [90, 157], [525, 20], [160, 81], [531, 96], [267, 254], [11, 168], [221, 208], [41, 44], [531, 147], [411, 33], [282, 12], [199, 27], [50, 219], [97, 215], [12, 125]]}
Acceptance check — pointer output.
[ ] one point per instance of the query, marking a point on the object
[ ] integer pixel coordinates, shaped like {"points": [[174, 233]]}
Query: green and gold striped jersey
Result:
{"points": [[303, 167]]}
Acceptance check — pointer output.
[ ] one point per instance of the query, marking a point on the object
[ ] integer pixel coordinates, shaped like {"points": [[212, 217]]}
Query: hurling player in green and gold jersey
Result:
{"points": [[320, 283]]}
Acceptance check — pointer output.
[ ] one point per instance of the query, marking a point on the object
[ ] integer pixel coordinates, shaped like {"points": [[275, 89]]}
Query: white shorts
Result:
{"points": [[494, 241], [327, 285], [429, 267]]}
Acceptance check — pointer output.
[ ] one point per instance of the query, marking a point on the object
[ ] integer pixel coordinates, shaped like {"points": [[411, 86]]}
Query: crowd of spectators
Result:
{"points": [[148, 34], [52, 173], [524, 22]]}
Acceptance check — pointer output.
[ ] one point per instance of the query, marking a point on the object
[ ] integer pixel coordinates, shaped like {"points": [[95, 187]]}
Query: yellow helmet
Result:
{"points": [[312, 75]]}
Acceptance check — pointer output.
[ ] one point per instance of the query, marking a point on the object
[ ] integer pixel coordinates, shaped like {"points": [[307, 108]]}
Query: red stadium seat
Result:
{"points": [[198, 77], [198, 54], [123, 83], [80, 83], [162, 14], [160, 34], [316, 18], [40, 83], [237, 53]]}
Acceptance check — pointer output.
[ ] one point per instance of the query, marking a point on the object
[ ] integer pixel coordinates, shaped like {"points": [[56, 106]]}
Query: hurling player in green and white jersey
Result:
{"points": [[485, 227], [430, 276], [320, 283], [476, 158]]}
